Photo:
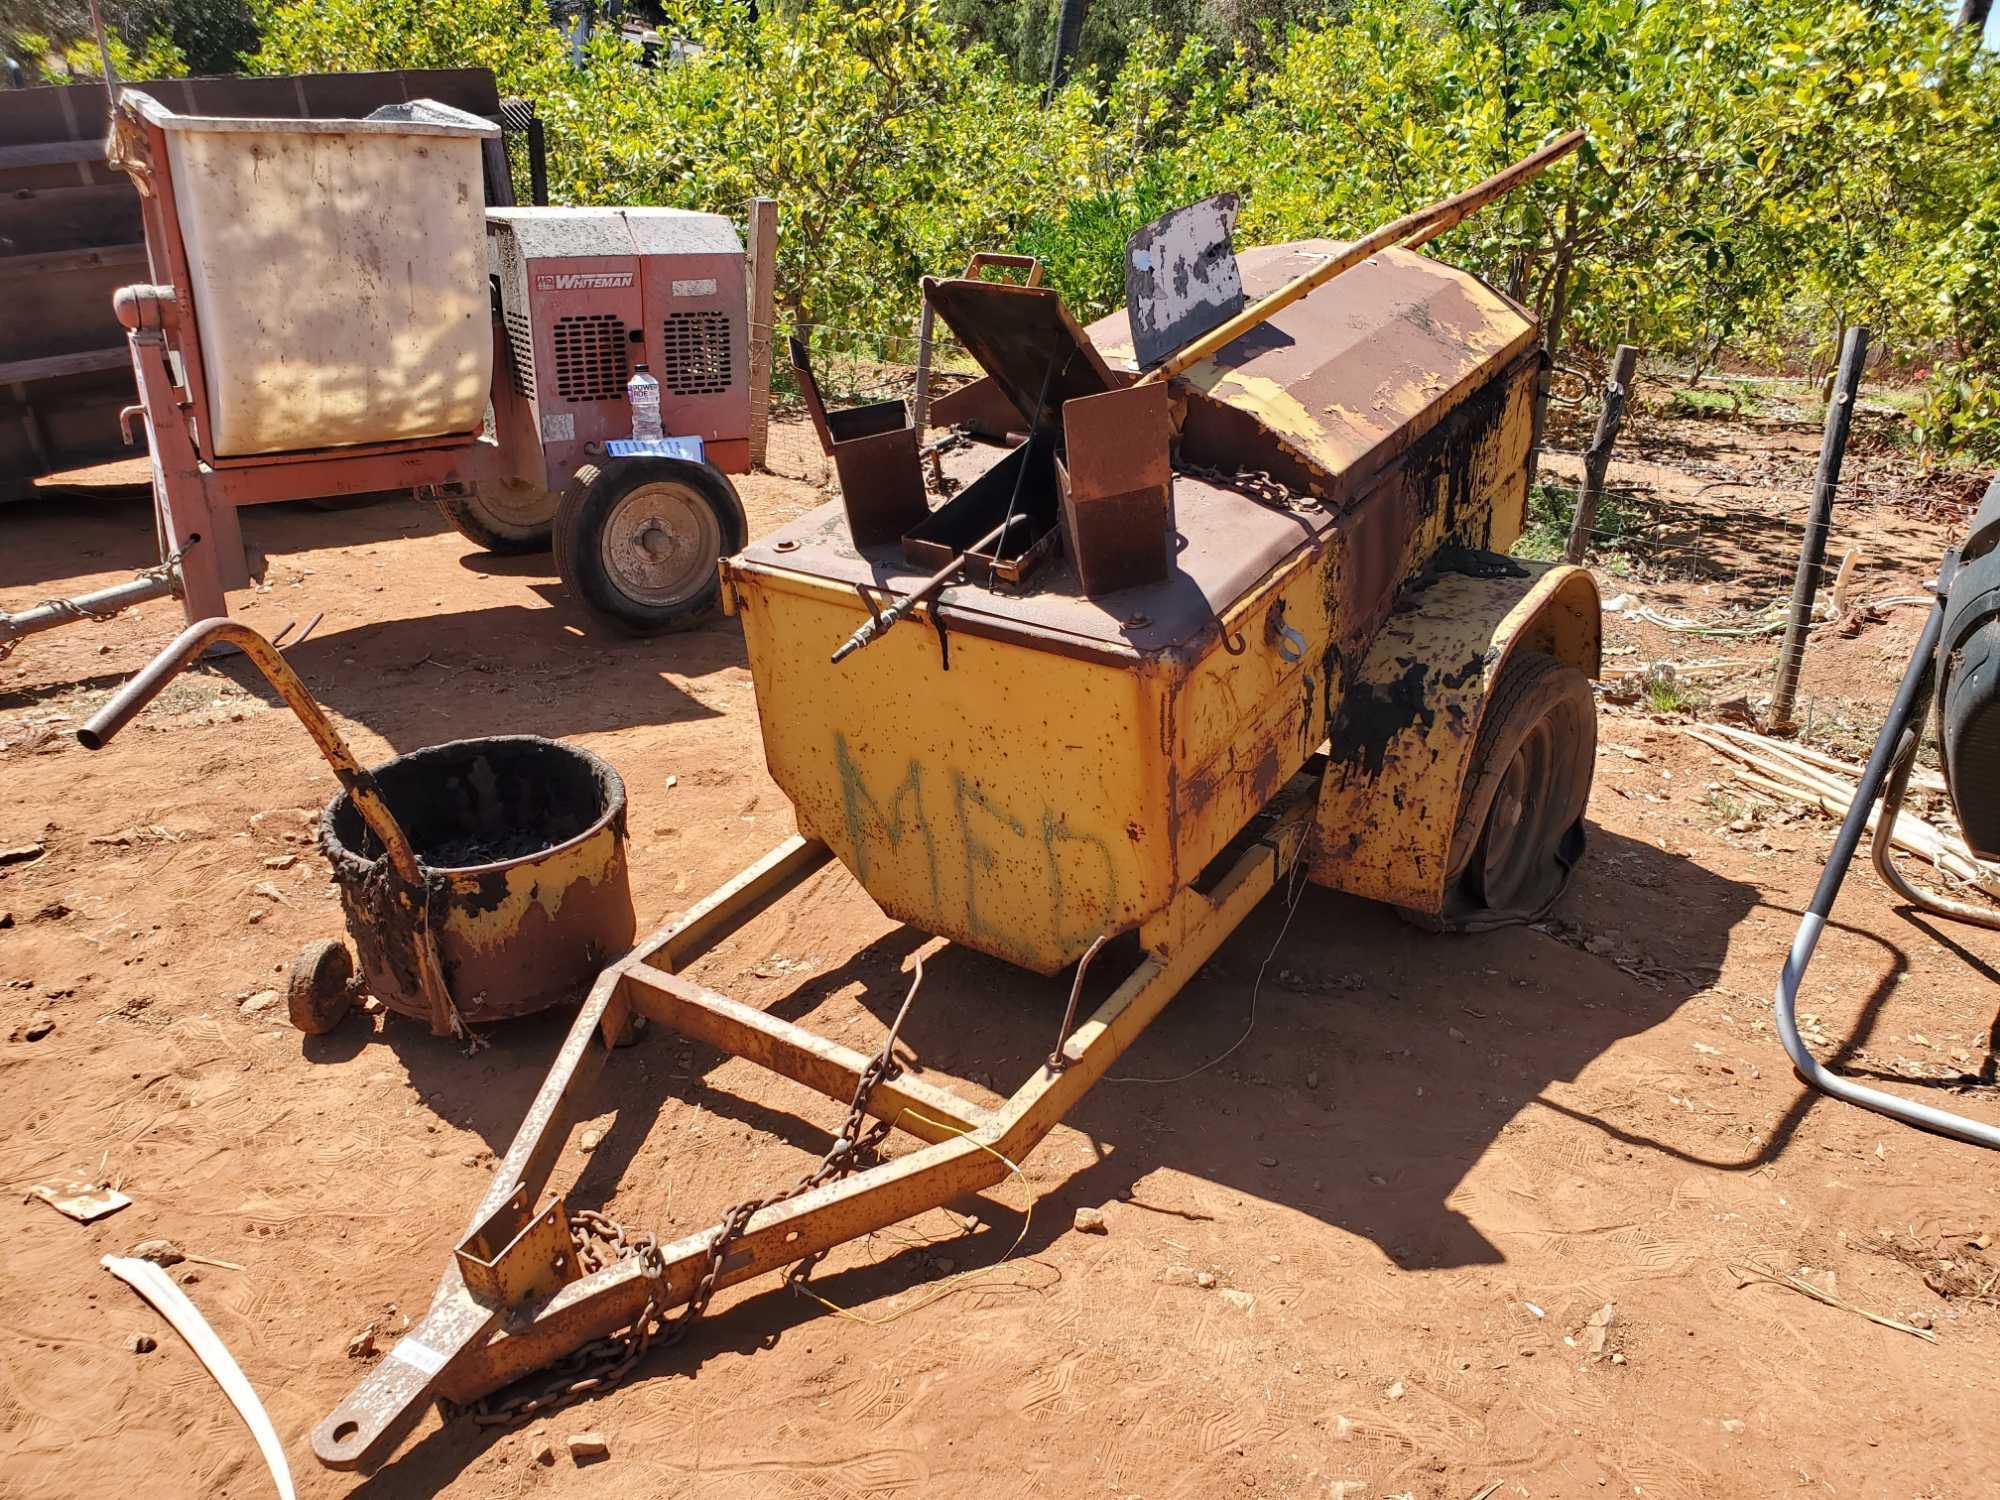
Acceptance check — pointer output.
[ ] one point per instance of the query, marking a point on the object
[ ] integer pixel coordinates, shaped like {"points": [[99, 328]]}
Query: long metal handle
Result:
{"points": [[183, 652], [1408, 232], [873, 627]]}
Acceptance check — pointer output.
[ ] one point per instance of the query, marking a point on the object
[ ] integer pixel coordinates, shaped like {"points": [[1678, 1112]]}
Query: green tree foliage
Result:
{"points": [[1758, 175], [146, 38]]}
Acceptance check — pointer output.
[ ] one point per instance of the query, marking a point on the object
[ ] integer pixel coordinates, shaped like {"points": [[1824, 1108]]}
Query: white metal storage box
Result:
{"points": [[339, 274]]}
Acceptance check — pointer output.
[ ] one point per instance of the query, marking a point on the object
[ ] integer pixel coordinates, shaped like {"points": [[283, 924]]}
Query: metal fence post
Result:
{"points": [[763, 320], [1597, 457], [1812, 547]]}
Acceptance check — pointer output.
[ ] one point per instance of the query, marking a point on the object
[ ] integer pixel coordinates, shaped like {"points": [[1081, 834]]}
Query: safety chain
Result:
{"points": [[166, 571], [602, 1241], [1256, 484]]}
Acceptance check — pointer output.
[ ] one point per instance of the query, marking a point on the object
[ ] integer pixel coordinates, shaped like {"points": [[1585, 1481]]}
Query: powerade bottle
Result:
{"points": [[643, 392]]}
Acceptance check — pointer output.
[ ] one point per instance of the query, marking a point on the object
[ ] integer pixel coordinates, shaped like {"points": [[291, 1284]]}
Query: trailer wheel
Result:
{"points": [[319, 991], [1519, 830], [639, 541], [502, 515]]}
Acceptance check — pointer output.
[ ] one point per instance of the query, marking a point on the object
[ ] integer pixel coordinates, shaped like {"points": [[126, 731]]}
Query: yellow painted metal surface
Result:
{"points": [[1029, 797], [1016, 802], [1045, 788], [1404, 738]]}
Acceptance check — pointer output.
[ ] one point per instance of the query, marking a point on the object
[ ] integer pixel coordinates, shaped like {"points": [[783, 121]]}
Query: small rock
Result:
{"points": [[590, 1140], [1455, 1034], [281, 861], [1312, 1080], [545, 1453], [673, 781], [1732, 1424], [258, 1003], [1090, 1221], [469, 1160], [22, 854], [34, 1031], [1268, 1161], [1618, 1359], [6, 919], [269, 892], [141, 1343], [1598, 1328], [1920, 1320], [159, 1252], [371, 1005], [257, 914], [1395, 1392], [1241, 1301], [588, 1447], [1205, 1280], [362, 1345]]}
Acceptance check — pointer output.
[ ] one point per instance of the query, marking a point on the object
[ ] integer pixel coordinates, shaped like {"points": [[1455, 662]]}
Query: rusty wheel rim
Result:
{"points": [[660, 544], [513, 503], [1518, 842]]}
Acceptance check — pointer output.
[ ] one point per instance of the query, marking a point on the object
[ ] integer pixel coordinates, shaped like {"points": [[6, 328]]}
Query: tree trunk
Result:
{"points": [[1069, 27], [1972, 15]]}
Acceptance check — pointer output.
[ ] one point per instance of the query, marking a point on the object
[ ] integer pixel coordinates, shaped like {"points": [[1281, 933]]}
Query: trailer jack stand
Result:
{"points": [[515, 1297]]}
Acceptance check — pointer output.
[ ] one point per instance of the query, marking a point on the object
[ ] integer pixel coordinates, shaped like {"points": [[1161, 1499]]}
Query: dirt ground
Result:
{"points": [[1460, 1217]]}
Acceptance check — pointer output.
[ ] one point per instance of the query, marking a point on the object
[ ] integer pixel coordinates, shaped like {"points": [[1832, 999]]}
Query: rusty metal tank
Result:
{"points": [[1033, 763], [523, 842]]}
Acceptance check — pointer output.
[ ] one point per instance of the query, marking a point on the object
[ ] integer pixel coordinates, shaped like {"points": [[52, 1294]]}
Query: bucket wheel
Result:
{"points": [[502, 515], [640, 541], [1519, 829], [319, 990]]}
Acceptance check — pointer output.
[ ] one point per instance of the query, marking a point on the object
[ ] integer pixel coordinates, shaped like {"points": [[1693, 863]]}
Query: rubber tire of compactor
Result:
{"points": [[1969, 682]]}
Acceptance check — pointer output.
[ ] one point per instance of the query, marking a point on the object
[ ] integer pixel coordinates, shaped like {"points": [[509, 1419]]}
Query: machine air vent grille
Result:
{"points": [[697, 354], [591, 362], [521, 342]]}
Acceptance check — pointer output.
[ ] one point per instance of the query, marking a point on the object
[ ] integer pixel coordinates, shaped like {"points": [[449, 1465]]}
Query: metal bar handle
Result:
{"points": [[983, 258], [186, 648]]}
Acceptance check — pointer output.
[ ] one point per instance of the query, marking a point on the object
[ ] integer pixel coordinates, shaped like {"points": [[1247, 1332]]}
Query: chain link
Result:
{"points": [[602, 1241], [166, 571], [1256, 484]]}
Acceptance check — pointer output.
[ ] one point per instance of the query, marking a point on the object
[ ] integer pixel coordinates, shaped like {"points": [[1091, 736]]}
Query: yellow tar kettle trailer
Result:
{"points": [[1166, 643]]}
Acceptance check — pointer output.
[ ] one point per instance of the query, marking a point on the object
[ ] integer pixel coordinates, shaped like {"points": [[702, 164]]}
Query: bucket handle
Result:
{"points": [[355, 777], [186, 648]]}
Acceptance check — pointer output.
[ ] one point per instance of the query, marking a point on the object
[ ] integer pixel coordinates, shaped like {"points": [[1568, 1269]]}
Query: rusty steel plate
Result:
{"points": [[1351, 376], [1230, 542], [1025, 339], [1181, 278]]}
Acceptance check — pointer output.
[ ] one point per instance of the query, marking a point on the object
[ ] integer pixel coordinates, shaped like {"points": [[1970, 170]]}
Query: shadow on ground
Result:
{"points": [[1380, 1065]]}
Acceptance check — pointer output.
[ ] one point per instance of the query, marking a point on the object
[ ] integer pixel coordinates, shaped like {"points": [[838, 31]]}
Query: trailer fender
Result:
{"points": [[1403, 733]]}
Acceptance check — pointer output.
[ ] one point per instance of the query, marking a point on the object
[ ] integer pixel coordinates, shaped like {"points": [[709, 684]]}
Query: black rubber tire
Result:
{"points": [[1519, 828], [588, 507], [319, 989], [475, 518], [564, 526]]}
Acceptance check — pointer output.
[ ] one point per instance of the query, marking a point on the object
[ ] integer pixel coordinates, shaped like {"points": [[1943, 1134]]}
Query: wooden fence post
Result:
{"points": [[920, 404], [763, 320], [1819, 519], [1597, 457]]}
